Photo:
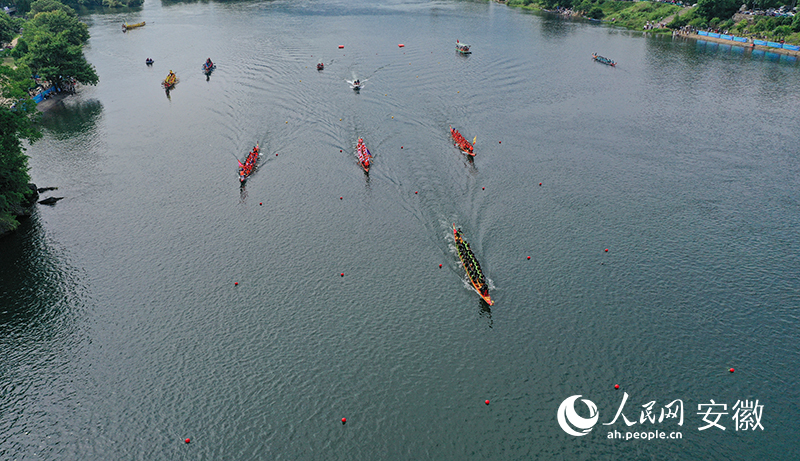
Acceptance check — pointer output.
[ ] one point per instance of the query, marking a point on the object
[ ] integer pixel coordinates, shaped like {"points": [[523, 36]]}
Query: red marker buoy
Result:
{"points": [[540, 184], [529, 257], [276, 155], [340, 150], [260, 203], [731, 370], [344, 420], [606, 250], [440, 265], [188, 440], [499, 142], [401, 147], [401, 45], [487, 402], [236, 284], [342, 274], [416, 191], [341, 198], [341, 46], [616, 386], [483, 188]]}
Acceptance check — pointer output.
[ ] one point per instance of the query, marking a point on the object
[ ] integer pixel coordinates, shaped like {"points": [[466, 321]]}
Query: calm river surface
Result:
{"points": [[122, 332]]}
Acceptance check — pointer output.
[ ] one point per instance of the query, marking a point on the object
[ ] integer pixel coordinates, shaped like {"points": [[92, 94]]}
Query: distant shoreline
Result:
{"points": [[739, 44]]}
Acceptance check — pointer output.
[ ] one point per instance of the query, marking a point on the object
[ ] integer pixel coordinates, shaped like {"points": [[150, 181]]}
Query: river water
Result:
{"points": [[123, 331]]}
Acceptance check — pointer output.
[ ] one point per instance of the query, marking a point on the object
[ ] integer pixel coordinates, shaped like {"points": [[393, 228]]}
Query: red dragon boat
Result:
{"points": [[462, 143], [246, 168]]}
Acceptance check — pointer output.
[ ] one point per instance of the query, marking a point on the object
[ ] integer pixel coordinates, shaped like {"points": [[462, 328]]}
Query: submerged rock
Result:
{"points": [[50, 200]]}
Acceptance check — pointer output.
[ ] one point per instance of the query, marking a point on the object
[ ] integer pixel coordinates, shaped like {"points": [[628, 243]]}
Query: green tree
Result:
{"points": [[43, 6], [709, 9], [55, 48], [7, 28], [15, 125], [60, 24]]}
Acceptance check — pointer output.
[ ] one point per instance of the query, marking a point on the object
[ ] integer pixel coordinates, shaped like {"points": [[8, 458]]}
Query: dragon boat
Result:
{"points": [[463, 143], [170, 82], [208, 66], [604, 60], [126, 26], [246, 168], [472, 266], [364, 155]]}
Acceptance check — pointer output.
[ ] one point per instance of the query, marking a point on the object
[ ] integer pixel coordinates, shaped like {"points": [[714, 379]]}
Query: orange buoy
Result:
{"points": [[341, 46]]}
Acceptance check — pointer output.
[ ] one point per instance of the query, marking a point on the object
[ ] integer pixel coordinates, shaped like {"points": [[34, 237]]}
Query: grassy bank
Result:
{"points": [[631, 15]]}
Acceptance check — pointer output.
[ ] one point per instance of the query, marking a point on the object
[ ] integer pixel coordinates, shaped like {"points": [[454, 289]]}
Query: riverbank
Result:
{"points": [[739, 44]]}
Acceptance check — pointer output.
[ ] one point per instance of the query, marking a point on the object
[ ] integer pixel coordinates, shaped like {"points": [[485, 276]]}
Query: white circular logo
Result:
{"points": [[569, 419]]}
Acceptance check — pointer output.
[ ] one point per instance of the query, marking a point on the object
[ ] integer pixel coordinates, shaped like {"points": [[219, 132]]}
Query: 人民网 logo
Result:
{"points": [[571, 422]]}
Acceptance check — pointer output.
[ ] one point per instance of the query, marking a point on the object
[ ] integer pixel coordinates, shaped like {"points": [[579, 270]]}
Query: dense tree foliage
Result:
{"points": [[24, 6], [8, 28], [723, 9], [44, 6], [55, 48], [52, 47], [15, 125]]}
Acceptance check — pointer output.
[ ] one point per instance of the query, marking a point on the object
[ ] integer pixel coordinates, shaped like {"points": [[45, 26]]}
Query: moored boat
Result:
{"points": [[126, 26], [246, 168], [462, 143], [170, 82], [149, 61], [209, 66], [462, 48], [320, 66], [472, 266], [603, 60], [356, 84], [364, 155]]}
